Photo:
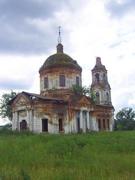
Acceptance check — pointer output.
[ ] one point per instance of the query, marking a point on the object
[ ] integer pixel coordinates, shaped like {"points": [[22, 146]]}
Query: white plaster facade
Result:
{"points": [[34, 123]]}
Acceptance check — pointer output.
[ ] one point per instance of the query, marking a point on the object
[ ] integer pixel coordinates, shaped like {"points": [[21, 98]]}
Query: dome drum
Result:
{"points": [[60, 80]]}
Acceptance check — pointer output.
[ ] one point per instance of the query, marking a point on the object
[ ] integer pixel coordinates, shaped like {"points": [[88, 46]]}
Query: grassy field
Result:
{"points": [[93, 156]]}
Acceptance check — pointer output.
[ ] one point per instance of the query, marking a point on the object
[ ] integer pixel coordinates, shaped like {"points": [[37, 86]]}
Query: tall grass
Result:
{"points": [[94, 156]]}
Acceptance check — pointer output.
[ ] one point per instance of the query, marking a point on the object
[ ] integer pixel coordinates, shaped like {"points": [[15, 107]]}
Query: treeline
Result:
{"points": [[125, 119]]}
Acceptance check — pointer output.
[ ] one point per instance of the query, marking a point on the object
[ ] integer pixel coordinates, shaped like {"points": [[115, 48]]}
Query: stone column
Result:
{"points": [[106, 125], [32, 117], [88, 121], [14, 121], [81, 120], [30, 120], [17, 122]]}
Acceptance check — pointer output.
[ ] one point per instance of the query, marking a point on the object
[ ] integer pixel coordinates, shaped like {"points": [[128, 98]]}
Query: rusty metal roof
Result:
{"points": [[45, 98], [33, 96]]}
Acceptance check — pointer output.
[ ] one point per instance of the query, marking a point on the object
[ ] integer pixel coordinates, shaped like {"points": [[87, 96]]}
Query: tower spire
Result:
{"points": [[59, 35], [59, 46]]}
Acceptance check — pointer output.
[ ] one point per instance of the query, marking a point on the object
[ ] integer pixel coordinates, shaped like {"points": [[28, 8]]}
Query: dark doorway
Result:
{"points": [[60, 125], [78, 129], [78, 124], [44, 125], [104, 125], [23, 125], [99, 124]]}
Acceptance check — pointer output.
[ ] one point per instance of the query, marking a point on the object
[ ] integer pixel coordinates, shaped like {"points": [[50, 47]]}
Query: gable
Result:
{"points": [[21, 100], [84, 101]]}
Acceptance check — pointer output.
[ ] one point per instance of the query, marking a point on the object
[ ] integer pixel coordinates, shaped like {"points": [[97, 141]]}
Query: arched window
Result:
{"points": [[23, 125], [45, 82], [107, 97], [97, 97], [97, 77], [104, 77], [77, 81], [62, 81]]}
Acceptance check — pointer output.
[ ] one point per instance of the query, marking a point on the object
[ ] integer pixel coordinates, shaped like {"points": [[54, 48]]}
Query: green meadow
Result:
{"points": [[92, 156]]}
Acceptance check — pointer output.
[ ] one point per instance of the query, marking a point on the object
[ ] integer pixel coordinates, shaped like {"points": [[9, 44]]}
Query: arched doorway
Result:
{"points": [[23, 125]]}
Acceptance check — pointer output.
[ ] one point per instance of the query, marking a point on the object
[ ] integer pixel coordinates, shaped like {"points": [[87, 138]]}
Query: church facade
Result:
{"points": [[58, 109]]}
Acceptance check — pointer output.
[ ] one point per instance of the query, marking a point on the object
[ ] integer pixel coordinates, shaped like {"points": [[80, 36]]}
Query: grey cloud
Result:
{"points": [[29, 8], [19, 36], [119, 10], [14, 84]]}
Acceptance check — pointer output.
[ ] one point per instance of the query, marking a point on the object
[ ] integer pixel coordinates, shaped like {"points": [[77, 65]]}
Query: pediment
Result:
{"points": [[85, 101], [21, 100]]}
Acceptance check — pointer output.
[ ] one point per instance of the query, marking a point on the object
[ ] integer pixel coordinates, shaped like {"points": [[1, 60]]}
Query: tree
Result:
{"points": [[125, 119], [5, 108], [93, 95], [83, 90], [80, 90]]}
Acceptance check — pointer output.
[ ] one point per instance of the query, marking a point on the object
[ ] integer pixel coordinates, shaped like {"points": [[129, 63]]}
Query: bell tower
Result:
{"points": [[100, 86]]}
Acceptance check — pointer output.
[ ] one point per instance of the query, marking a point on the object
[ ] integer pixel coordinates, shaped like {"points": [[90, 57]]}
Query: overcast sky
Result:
{"points": [[90, 28]]}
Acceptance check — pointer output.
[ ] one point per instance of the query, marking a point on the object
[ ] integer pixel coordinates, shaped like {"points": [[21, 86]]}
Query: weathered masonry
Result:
{"points": [[57, 109]]}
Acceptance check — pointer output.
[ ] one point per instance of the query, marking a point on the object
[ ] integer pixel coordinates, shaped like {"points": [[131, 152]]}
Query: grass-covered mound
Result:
{"points": [[109, 156]]}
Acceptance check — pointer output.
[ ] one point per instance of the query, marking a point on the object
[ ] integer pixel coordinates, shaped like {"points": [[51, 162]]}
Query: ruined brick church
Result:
{"points": [[58, 109]]}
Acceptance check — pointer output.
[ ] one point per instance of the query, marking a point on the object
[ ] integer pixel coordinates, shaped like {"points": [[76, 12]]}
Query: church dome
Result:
{"points": [[59, 72], [60, 59]]}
